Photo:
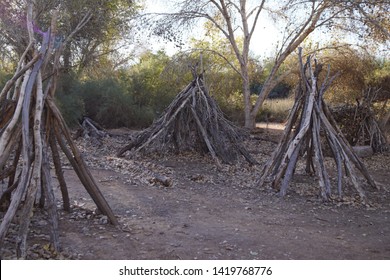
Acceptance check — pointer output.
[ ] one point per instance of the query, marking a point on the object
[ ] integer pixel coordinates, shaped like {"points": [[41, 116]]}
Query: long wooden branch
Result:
{"points": [[205, 137], [78, 163], [36, 172], [319, 160], [328, 119], [59, 172], [276, 156], [16, 76], [9, 130], [50, 198]]}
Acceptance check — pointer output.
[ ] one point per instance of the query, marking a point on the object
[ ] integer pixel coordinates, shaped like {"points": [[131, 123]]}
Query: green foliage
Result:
{"points": [[4, 77], [130, 98], [354, 70], [358, 71], [380, 78], [144, 82], [134, 97], [155, 81], [232, 106], [69, 100], [72, 108], [107, 102]]}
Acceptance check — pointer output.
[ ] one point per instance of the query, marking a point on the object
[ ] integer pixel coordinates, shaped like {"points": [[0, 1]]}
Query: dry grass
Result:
{"points": [[275, 110]]}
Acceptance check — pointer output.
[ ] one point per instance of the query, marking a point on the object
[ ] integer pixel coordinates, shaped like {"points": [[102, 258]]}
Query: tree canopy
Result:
{"points": [[108, 28]]}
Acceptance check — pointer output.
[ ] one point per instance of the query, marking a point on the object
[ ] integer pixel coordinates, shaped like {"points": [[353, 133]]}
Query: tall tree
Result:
{"points": [[237, 20], [110, 25], [108, 30]]}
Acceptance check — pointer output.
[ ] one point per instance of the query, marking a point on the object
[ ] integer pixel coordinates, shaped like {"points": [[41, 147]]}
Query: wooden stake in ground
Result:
{"points": [[310, 118], [193, 121], [30, 127]]}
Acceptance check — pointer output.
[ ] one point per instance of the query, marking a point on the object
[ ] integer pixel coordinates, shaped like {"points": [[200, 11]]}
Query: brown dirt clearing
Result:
{"points": [[211, 214]]}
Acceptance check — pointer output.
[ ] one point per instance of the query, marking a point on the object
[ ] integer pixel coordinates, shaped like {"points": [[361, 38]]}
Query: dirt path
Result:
{"points": [[215, 214], [222, 221]]}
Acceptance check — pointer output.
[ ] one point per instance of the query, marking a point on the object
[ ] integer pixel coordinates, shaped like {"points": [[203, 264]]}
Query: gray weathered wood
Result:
{"points": [[312, 118]]}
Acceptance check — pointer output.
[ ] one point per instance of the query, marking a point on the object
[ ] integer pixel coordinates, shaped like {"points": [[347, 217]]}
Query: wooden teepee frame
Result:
{"points": [[359, 122], [32, 128], [193, 121], [310, 117]]}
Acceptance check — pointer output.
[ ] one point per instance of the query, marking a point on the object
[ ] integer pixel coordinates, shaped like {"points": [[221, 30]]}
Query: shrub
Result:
{"points": [[232, 107], [69, 100], [272, 110], [4, 77], [111, 105], [71, 107]]}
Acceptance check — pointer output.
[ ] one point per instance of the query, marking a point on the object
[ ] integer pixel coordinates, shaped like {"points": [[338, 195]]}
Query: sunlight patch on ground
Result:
{"points": [[277, 126]]}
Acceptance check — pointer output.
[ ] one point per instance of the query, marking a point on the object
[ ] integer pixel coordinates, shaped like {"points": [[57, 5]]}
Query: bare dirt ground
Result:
{"points": [[210, 213]]}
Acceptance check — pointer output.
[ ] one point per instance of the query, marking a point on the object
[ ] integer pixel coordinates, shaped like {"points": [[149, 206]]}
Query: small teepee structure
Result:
{"points": [[31, 130], [359, 123], [193, 121], [310, 118]]}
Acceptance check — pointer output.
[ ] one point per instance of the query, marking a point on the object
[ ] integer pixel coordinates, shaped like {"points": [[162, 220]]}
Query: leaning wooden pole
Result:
{"points": [[31, 127], [74, 156]]}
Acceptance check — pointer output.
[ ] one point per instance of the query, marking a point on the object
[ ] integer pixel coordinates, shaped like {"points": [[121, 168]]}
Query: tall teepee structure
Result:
{"points": [[310, 118], [32, 130], [193, 121]]}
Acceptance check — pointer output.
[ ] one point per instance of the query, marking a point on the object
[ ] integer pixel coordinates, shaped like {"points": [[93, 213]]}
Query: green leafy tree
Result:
{"points": [[108, 28], [92, 52], [154, 81], [107, 102], [70, 102]]}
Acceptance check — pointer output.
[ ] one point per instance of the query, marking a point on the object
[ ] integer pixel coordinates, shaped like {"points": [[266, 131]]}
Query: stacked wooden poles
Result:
{"points": [[31, 129], [193, 121], [310, 118], [359, 122]]}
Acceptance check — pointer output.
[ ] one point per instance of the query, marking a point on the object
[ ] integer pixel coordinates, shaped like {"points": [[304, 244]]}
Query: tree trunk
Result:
{"points": [[307, 28], [67, 57], [250, 121]]}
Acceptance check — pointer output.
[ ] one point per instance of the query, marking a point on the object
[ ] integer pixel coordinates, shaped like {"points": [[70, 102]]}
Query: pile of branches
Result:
{"points": [[359, 123], [91, 129], [193, 121], [31, 130], [309, 118]]}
